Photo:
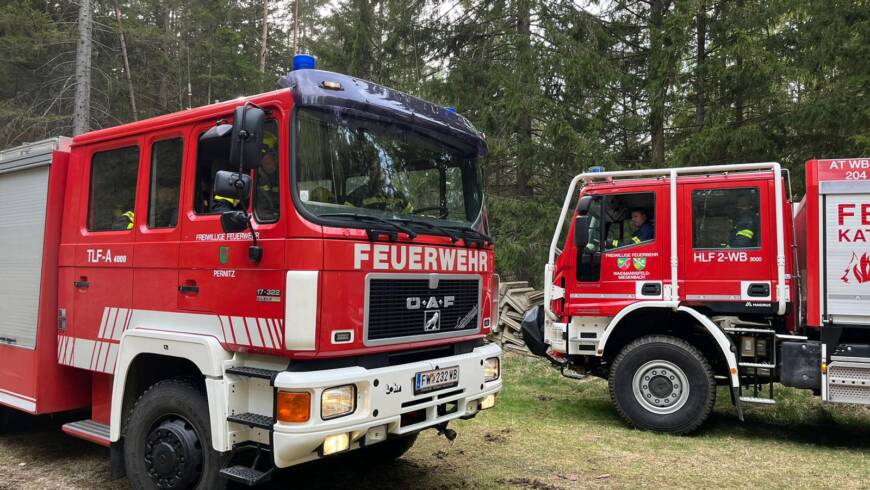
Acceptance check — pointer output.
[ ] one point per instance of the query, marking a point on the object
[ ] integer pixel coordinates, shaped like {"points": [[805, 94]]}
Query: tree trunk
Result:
{"points": [[127, 72], [524, 118], [82, 104], [264, 37], [360, 61], [657, 80], [700, 67]]}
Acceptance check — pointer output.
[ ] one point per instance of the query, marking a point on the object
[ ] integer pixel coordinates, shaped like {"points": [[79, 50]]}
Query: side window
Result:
{"points": [[589, 259], [113, 189], [267, 184], [629, 220], [726, 218], [165, 180]]}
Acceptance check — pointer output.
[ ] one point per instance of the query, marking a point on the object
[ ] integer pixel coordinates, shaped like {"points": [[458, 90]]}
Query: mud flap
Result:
{"points": [[533, 331], [735, 399]]}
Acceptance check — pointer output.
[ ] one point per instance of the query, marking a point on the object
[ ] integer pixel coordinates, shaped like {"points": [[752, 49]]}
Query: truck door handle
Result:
{"points": [[188, 289], [82, 283], [651, 289], [759, 290]]}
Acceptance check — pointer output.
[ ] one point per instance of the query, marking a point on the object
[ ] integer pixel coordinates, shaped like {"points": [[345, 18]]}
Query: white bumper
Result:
{"points": [[383, 395]]}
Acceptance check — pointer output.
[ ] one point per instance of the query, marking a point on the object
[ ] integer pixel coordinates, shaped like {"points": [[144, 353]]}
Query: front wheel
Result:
{"points": [[167, 444], [663, 384]]}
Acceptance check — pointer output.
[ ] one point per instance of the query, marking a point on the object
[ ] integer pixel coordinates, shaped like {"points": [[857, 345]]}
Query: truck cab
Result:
{"points": [[312, 266], [674, 281]]}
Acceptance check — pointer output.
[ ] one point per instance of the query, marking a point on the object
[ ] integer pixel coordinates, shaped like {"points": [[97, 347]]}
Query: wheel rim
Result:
{"points": [[173, 453], [660, 387]]}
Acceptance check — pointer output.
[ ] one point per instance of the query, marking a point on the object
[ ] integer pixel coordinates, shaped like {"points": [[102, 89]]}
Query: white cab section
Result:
{"points": [[300, 310]]}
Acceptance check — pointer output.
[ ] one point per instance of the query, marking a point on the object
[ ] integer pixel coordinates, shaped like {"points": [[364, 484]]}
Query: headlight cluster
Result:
{"points": [[491, 369], [338, 402]]}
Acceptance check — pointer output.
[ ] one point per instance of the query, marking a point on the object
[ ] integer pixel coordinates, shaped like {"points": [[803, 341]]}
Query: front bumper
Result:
{"points": [[383, 395]]}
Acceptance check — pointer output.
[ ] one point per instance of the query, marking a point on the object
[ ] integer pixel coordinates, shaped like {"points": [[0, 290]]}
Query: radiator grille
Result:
{"points": [[404, 309]]}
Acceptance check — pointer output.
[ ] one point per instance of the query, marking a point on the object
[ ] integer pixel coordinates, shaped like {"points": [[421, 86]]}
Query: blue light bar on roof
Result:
{"points": [[304, 62]]}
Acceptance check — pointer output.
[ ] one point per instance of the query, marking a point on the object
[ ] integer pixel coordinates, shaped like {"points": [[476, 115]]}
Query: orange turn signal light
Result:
{"points": [[294, 407]]}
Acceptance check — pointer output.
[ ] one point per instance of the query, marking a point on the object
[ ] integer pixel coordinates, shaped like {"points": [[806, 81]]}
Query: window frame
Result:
{"points": [[604, 221], [151, 144], [115, 146], [758, 192]]}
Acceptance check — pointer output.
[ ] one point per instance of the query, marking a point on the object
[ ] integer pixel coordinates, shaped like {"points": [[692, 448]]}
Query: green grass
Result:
{"points": [[547, 431]]}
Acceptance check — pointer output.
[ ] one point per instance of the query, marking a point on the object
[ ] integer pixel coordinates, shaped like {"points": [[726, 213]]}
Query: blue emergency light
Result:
{"points": [[596, 169], [304, 62]]}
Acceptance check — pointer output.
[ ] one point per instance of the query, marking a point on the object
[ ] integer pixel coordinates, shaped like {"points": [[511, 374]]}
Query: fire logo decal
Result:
{"points": [[858, 268]]}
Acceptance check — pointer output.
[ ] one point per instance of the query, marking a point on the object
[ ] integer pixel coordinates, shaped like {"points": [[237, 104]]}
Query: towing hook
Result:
{"points": [[450, 434]]}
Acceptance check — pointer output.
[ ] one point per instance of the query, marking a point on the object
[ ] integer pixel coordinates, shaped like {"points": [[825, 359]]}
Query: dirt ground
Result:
{"points": [[546, 432]]}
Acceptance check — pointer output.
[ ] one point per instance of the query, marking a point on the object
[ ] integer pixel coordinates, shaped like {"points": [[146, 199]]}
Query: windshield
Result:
{"points": [[354, 165]]}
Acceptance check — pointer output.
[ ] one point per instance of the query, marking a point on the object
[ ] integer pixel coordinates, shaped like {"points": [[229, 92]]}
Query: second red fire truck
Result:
{"points": [[674, 281], [253, 284]]}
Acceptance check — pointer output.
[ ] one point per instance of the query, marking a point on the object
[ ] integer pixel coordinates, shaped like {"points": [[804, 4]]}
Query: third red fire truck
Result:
{"points": [[674, 281], [252, 284]]}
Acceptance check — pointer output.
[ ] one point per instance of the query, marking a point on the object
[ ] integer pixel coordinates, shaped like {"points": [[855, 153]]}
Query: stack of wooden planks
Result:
{"points": [[515, 299]]}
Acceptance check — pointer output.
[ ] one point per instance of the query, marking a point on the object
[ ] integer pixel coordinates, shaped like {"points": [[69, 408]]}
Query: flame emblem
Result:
{"points": [[859, 269]]}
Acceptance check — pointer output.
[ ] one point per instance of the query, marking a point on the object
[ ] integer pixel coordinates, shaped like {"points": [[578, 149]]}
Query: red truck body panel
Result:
{"points": [[133, 276]]}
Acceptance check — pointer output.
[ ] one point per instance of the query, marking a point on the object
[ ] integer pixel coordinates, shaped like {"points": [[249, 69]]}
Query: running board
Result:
{"points": [[88, 430]]}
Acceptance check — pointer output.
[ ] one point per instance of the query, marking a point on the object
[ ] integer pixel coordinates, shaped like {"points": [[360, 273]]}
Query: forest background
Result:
{"points": [[557, 86]]}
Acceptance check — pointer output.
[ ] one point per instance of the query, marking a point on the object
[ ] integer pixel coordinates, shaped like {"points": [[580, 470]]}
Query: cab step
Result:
{"points": [[758, 365], [760, 401], [89, 430], [253, 372], [766, 331], [252, 420], [246, 476]]}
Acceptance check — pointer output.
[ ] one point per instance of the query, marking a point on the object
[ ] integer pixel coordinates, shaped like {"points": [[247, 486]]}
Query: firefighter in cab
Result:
{"points": [[266, 192], [745, 222], [644, 230]]}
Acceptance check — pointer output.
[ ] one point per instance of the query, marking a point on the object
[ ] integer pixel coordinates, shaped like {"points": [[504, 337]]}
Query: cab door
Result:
{"points": [[727, 255], [623, 261], [239, 300], [102, 280]]}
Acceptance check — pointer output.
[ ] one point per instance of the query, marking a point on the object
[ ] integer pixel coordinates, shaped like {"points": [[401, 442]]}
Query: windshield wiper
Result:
{"points": [[373, 233], [465, 231], [447, 231]]}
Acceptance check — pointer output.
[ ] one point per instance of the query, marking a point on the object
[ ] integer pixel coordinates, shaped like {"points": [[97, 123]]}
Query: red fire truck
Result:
{"points": [[674, 281], [252, 284]]}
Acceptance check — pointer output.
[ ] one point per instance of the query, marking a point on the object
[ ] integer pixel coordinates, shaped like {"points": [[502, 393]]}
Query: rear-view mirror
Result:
{"points": [[581, 232], [232, 184], [234, 221], [584, 205], [246, 142]]}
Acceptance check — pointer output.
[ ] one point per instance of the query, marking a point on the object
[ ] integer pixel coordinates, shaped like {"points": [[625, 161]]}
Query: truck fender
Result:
{"points": [[718, 335], [205, 352]]}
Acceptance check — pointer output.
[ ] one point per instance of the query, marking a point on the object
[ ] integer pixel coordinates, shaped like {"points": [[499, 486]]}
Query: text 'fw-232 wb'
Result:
{"points": [[252, 284]]}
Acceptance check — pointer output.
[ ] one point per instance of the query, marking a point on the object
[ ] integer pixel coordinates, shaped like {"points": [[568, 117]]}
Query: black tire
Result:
{"points": [[389, 450], [170, 422], [663, 404]]}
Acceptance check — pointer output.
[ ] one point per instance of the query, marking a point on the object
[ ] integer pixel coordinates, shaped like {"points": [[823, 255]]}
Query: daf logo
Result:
{"points": [[432, 321], [416, 302]]}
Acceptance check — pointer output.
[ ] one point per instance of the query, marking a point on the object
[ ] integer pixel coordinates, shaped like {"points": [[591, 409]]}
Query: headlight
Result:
{"points": [[337, 402], [491, 369]]}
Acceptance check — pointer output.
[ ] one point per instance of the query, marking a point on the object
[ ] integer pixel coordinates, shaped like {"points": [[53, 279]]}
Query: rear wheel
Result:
{"points": [[663, 384], [168, 440]]}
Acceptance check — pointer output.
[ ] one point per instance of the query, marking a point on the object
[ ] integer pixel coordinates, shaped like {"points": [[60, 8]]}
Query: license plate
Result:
{"points": [[436, 379]]}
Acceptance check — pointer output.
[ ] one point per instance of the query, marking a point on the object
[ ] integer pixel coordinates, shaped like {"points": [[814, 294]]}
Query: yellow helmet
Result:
{"points": [[270, 142]]}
